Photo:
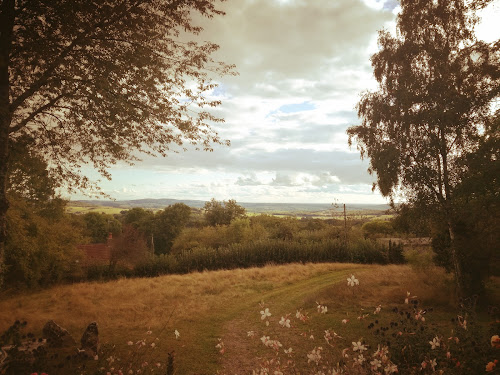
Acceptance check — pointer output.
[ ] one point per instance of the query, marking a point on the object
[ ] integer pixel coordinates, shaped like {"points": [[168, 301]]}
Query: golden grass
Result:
{"points": [[207, 305]]}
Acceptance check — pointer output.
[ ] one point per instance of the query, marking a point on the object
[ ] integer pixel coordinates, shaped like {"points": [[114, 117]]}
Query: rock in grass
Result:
{"points": [[56, 336], [90, 339]]}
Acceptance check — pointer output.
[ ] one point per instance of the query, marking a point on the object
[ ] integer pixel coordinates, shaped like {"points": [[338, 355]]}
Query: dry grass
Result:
{"points": [[205, 306]]}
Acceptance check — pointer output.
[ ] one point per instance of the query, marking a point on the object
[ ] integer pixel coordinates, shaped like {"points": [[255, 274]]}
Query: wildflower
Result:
{"points": [[435, 343], [360, 359], [351, 281], [288, 351], [491, 365], [420, 315], [433, 364], [381, 352], [264, 339], [250, 333], [130, 343], [423, 365], [344, 353], [495, 341], [284, 322], [358, 346], [275, 344], [177, 334], [324, 309], [153, 345], [221, 347], [314, 355], [344, 321], [462, 322], [391, 368], [311, 337], [158, 364], [375, 364], [149, 332], [264, 313], [377, 309]]}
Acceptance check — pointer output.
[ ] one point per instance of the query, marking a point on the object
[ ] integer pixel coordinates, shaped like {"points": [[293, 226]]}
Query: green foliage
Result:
{"points": [[40, 250], [260, 253], [168, 224], [421, 261], [437, 85], [377, 228], [99, 226], [222, 213]]}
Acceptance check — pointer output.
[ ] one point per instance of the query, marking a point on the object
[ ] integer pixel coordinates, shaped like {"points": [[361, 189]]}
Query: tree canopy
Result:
{"points": [[437, 83], [222, 213], [94, 82]]}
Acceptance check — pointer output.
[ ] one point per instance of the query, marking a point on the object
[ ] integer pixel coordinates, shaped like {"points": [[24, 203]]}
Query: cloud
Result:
{"points": [[302, 65]]}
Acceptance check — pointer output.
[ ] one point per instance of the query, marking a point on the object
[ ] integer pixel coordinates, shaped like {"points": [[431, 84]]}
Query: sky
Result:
{"points": [[302, 66]]}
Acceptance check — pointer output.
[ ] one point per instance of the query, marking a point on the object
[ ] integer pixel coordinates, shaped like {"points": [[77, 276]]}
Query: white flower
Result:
{"points": [[377, 310], [376, 364], [381, 352], [360, 359], [264, 339], [351, 281], [433, 364], [264, 313], [177, 334], [314, 355], [358, 346], [130, 343], [391, 368], [284, 322], [288, 351], [250, 333], [435, 343], [324, 309]]}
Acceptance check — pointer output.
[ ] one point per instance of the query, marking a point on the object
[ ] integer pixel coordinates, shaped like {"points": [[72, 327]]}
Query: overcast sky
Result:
{"points": [[302, 65]]}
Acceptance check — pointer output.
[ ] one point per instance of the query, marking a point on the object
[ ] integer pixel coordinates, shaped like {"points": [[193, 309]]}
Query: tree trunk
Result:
{"points": [[455, 259], [7, 15]]}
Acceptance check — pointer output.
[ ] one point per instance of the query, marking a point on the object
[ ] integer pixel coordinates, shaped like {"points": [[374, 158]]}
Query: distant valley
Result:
{"points": [[322, 210]]}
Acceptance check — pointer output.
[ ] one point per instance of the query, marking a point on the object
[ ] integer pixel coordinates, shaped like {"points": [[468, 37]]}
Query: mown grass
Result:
{"points": [[225, 304]]}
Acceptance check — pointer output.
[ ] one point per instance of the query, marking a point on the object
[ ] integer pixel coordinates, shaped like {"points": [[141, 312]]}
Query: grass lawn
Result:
{"points": [[206, 306]]}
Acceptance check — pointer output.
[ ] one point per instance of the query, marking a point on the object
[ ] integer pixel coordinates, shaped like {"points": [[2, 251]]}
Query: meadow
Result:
{"points": [[215, 311]]}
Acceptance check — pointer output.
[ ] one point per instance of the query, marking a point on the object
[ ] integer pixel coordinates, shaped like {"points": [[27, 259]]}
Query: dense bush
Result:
{"points": [[251, 254]]}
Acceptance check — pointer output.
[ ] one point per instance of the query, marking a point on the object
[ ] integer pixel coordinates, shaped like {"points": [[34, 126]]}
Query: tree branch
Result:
{"points": [[35, 113]]}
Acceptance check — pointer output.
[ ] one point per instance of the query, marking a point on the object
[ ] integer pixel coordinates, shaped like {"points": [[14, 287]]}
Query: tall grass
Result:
{"points": [[258, 253]]}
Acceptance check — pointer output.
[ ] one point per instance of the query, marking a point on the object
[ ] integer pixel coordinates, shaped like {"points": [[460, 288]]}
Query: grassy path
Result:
{"points": [[221, 304]]}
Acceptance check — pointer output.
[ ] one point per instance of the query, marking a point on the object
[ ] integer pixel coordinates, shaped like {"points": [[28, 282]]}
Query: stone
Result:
{"points": [[56, 336], [90, 339]]}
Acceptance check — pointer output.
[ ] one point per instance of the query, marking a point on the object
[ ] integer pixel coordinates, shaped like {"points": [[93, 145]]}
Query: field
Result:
{"points": [[206, 306], [309, 210]]}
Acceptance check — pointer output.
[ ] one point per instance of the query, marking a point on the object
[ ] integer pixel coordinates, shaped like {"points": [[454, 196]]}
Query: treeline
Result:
{"points": [[42, 248]]}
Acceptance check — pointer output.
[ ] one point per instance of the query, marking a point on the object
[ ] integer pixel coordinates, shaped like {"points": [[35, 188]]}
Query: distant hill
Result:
{"points": [[295, 209]]}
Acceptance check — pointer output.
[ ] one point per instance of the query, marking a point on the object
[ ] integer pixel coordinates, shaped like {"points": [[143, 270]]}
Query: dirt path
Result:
{"points": [[244, 354]]}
